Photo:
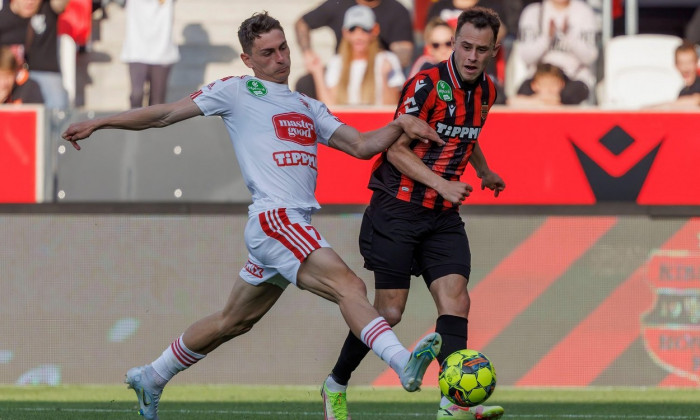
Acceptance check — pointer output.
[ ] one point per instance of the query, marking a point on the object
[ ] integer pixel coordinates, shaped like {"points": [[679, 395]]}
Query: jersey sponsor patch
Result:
{"points": [[295, 127], [461, 131], [295, 158], [444, 91], [256, 87]]}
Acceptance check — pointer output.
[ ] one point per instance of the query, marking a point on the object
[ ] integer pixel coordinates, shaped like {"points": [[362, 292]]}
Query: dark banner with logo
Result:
{"points": [[557, 158]]}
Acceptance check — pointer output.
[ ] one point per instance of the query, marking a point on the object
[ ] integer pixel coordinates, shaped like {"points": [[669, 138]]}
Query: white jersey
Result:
{"points": [[274, 132]]}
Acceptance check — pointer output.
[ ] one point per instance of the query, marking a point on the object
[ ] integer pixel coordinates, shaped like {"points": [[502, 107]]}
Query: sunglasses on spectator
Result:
{"points": [[352, 29], [437, 45]]}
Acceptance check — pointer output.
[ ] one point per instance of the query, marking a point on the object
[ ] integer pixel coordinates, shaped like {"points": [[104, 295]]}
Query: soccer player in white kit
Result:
{"points": [[275, 133]]}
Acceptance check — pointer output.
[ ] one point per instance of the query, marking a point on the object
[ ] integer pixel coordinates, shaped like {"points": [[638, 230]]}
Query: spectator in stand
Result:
{"points": [[15, 85], [544, 89], [395, 31], [361, 73], [449, 11], [149, 49], [31, 26], [562, 33], [687, 65], [438, 45]]}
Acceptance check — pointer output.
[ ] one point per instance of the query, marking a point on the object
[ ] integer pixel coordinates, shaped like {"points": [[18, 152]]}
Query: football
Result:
{"points": [[467, 378]]}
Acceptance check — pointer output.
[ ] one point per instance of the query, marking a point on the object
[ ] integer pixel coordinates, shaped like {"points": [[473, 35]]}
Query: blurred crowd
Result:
{"points": [[552, 52]]}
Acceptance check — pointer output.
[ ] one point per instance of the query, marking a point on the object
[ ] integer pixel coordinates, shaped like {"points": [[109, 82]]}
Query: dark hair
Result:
{"points": [[480, 17], [253, 27]]}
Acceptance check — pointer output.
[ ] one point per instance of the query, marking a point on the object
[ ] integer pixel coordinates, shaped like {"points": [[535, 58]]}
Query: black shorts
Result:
{"points": [[399, 239]]}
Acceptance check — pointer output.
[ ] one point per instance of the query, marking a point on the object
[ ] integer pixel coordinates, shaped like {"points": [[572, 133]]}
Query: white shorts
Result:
{"points": [[278, 241]]}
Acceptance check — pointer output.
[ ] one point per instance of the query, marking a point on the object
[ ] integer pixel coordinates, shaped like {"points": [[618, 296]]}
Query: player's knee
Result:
{"points": [[392, 314], [355, 287], [456, 305]]}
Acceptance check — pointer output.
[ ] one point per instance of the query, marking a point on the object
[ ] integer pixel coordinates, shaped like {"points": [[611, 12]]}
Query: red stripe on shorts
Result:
{"points": [[301, 230], [291, 230], [267, 225]]}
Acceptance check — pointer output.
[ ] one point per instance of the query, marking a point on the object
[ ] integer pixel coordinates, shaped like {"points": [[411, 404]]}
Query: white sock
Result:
{"points": [[379, 336], [176, 358], [334, 386]]}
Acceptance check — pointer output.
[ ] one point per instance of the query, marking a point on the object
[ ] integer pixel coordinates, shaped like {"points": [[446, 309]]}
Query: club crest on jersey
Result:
{"points": [[444, 91], [256, 87], [295, 127], [484, 112]]}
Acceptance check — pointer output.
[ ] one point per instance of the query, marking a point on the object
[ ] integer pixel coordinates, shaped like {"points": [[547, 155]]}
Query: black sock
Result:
{"points": [[351, 355], [453, 330]]}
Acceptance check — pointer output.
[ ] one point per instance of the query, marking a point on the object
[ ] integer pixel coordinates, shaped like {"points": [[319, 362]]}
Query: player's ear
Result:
{"points": [[246, 60], [495, 50]]}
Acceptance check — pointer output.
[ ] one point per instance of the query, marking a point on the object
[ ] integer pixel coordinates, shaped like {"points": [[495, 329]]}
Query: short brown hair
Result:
{"points": [[480, 17], [8, 60], [253, 27], [549, 69], [433, 23]]}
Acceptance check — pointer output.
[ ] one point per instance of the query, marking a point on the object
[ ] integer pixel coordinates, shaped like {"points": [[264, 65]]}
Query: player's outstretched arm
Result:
{"points": [[408, 163], [489, 179], [136, 119], [365, 145]]}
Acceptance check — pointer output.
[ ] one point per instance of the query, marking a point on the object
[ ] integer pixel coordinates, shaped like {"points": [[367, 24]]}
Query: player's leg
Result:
{"points": [[245, 306], [387, 246], [447, 256], [325, 274]]}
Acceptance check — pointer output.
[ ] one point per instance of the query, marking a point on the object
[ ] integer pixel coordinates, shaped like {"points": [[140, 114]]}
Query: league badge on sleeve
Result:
{"points": [[256, 87]]}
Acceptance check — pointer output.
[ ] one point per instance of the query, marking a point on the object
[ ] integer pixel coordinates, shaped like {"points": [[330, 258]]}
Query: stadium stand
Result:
{"points": [[631, 63]]}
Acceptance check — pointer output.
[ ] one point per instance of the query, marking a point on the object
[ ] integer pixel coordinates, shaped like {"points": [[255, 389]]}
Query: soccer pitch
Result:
{"points": [[287, 403]]}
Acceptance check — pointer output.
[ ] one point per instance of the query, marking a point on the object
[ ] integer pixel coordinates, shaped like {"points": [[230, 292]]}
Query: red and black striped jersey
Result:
{"points": [[457, 111]]}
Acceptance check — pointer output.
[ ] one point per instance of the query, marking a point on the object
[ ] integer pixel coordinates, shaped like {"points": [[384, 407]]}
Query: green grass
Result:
{"points": [[286, 403]]}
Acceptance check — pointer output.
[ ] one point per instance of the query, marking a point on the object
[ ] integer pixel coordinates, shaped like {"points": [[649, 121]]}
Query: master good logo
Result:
{"points": [[295, 127]]}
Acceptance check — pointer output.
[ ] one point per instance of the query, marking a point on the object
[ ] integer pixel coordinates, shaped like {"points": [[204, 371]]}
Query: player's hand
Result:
{"points": [[418, 129], [78, 131], [492, 181], [455, 191]]}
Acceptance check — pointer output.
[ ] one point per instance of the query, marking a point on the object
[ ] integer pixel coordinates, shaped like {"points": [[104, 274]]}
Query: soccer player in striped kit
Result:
{"points": [[413, 225], [275, 133]]}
